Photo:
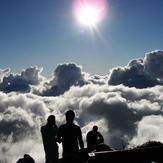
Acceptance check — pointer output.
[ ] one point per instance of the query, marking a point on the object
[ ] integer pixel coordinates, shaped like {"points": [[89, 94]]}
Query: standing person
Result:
{"points": [[94, 138], [71, 137], [49, 133]]}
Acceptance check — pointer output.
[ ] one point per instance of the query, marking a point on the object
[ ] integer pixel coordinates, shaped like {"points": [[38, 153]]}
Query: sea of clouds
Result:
{"points": [[126, 104]]}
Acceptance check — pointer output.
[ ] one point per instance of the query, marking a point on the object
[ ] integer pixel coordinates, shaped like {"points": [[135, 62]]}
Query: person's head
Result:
{"points": [[70, 115], [51, 120], [95, 128], [26, 159]]}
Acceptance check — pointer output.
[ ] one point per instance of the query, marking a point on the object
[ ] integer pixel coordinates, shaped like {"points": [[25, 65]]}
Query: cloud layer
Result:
{"points": [[140, 73], [21, 82], [65, 76], [126, 104]]}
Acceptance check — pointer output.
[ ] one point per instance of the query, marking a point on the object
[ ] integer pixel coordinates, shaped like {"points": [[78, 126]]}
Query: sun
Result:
{"points": [[89, 16], [89, 13]]}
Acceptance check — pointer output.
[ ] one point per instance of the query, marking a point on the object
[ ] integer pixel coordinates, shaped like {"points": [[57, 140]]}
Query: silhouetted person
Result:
{"points": [[71, 137], [26, 159], [49, 133], [94, 138]]}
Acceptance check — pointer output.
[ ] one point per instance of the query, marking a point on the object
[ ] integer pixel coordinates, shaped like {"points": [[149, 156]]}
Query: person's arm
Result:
{"points": [[87, 138], [44, 138], [101, 139], [43, 135], [80, 139]]}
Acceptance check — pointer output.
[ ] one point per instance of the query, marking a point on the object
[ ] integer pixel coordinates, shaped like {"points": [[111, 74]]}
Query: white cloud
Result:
{"points": [[4, 72], [150, 128], [65, 76], [140, 73], [21, 82]]}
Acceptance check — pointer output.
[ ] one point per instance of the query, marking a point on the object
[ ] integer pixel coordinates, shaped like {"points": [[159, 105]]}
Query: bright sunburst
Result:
{"points": [[89, 15], [89, 12]]}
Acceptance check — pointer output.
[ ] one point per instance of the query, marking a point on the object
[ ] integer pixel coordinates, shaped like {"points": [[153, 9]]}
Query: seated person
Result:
{"points": [[94, 138]]}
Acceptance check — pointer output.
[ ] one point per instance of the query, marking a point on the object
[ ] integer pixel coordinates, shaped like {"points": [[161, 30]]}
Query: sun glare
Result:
{"points": [[88, 16], [89, 12]]}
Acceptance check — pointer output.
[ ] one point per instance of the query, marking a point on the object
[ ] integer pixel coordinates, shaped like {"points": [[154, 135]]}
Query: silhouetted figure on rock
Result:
{"points": [[26, 159], [49, 133], [94, 138], [71, 137]]}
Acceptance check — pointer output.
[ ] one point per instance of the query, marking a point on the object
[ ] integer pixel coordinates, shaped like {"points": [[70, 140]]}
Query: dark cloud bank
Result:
{"points": [[125, 104]]}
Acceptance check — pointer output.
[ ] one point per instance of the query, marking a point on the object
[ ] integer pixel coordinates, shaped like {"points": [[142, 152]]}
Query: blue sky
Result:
{"points": [[45, 33]]}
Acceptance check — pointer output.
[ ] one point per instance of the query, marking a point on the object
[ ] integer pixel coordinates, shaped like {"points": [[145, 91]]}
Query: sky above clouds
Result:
{"points": [[111, 77], [45, 33]]}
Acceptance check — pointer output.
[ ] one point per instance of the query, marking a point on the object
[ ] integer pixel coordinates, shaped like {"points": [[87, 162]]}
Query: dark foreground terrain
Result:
{"points": [[147, 153], [150, 152]]}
